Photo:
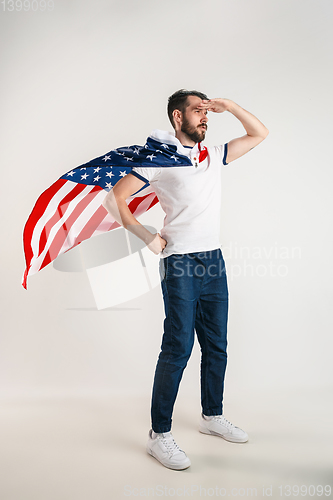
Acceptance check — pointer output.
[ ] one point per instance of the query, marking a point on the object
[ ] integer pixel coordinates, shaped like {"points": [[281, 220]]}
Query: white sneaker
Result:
{"points": [[164, 448], [220, 426]]}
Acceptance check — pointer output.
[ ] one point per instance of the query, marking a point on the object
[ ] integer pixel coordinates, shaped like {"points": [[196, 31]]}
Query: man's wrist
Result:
{"points": [[231, 106]]}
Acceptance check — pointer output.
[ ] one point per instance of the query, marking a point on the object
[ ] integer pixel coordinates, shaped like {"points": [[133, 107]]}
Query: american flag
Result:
{"points": [[70, 210]]}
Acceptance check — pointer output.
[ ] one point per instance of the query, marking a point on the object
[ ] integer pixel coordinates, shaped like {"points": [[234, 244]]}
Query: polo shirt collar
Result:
{"points": [[166, 137]]}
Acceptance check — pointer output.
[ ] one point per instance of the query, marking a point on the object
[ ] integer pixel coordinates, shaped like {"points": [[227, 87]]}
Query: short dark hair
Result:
{"points": [[178, 100]]}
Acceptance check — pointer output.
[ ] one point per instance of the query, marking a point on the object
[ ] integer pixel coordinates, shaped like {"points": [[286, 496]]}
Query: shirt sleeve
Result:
{"points": [[222, 152], [148, 174]]}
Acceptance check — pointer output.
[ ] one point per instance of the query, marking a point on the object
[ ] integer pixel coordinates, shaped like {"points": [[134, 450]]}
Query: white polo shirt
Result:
{"points": [[190, 197]]}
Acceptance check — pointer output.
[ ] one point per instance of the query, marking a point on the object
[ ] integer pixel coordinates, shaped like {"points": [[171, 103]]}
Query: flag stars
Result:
{"points": [[97, 170], [108, 185], [128, 158], [83, 177], [151, 157], [123, 173], [83, 168], [97, 178], [165, 146], [106, 158], [174, 158], [109, 174], [136, 151], [71, 173]]}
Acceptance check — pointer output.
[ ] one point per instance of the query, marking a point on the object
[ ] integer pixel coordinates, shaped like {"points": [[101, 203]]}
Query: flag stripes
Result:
{"points": [[73, 214]]}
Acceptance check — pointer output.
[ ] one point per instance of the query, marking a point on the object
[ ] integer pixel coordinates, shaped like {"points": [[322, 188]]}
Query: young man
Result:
{"points": [[192, 268]]}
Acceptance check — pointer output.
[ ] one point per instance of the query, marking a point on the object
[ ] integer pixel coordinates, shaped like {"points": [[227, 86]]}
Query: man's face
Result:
{"points": [[194, 120]]}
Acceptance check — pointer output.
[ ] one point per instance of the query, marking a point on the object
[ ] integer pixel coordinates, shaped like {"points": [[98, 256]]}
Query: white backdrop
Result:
{"points": [[88, 77]]}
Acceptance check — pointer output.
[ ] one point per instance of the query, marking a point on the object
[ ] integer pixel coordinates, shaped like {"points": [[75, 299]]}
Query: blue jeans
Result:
{"points": [[195, 293]]}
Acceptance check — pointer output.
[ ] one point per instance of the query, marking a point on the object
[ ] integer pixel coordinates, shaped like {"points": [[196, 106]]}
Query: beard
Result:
{"points": [[196, 134]]}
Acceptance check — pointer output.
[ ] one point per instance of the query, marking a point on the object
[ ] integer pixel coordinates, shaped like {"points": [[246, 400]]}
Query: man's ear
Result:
{"points": [[177, 116]]}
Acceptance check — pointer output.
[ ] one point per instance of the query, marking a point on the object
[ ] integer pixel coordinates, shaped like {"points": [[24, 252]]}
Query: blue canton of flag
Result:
{"points": [[105, 171]]}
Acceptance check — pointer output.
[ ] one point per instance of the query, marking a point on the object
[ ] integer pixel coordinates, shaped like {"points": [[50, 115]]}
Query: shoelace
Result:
{"points": [[222, 420], [170, 444]]}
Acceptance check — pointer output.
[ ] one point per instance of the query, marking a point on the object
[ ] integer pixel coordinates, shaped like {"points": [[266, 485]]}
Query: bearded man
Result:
{"points": [[192, 268]]}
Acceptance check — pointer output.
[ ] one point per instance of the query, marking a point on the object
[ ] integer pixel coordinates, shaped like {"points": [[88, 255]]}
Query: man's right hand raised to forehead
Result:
{"points": [[256, 131]]}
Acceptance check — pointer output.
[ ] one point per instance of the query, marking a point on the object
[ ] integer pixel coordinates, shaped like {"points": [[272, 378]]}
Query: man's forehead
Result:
{"points": [[193, 101]]}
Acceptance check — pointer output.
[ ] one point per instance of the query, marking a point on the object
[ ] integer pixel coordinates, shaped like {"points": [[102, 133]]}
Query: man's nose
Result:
{"points": [[204, 119]]}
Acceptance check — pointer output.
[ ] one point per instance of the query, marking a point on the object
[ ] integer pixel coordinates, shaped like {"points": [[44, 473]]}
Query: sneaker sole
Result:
{"points": [[181, 467], [203, 430]]}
